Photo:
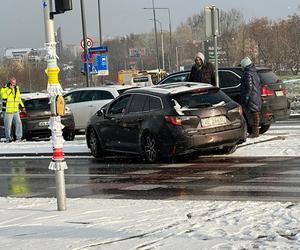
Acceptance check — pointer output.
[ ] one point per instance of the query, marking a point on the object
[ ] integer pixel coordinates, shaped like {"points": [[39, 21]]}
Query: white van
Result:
{"points": [[141, 81]]}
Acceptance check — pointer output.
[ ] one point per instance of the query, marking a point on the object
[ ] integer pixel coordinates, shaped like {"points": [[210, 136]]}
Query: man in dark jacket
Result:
{"points": [[250, 95], [202, 71]]}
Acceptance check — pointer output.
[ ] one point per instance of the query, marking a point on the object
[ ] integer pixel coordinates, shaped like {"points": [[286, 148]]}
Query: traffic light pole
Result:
{"points": [[87, 73], [54, 90]]}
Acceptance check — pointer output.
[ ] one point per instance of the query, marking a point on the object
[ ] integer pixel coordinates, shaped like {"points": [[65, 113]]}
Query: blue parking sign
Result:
{"points": [[101, 64], [98, 67]]}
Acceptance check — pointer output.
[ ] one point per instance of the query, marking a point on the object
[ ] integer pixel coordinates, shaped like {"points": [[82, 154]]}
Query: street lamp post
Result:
{"points": [[170, 35], [177, 66], [177, 56], [100, 26], [162, 44], [156, 43]]}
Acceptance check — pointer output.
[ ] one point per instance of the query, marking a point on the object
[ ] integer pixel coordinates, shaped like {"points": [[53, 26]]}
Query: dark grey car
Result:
{"points": [[167, 120], [36, 117]]}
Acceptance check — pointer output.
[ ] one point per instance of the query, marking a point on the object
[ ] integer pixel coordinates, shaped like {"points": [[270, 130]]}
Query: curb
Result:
{"points": [[43, 154]]}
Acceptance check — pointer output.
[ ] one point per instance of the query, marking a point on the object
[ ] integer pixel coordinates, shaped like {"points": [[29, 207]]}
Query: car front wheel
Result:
{"points": [[264, 128], [149, 148], [94, 144], [69, 135]]}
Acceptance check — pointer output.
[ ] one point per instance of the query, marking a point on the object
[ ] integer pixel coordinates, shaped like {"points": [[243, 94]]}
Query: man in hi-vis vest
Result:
{"points": [[11, 102]]}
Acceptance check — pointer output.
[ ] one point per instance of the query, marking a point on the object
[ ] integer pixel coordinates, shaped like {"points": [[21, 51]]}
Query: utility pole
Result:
{"points": [[170, 35], [57, 107], [162, 44], [156, 43], [100, 25], [215, 24], [87, 73], [100, 32], [212, 30]]}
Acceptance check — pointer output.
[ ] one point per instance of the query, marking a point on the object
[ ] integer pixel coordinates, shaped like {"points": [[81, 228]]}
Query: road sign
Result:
{"points": [[212, 21], [83, 67], [98, 67], [89, 43], [89, 55], [102, 65], [98, 50]]}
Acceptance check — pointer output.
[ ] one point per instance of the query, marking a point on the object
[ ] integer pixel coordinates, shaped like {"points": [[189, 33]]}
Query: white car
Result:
{"points": [[84, 102]]}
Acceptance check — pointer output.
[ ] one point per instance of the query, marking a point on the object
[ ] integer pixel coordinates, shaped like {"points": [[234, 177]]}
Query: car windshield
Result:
{"points": [[267, 77], [37, 104], [208, 98]]}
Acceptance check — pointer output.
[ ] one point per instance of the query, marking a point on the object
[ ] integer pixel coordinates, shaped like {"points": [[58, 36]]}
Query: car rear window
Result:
{"points": [[120, 91], [37, 104], [207, 98], [268, 76]]}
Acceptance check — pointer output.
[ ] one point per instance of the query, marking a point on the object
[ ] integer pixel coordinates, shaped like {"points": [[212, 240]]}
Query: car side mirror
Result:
{"points": [[101, 112]]}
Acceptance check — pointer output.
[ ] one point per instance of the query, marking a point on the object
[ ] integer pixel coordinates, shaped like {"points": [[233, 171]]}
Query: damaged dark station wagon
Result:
{"points": [[167, 120]]}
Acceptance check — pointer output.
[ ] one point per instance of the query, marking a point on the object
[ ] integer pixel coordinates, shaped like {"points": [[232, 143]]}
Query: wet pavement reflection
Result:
{"points": [[209, 178]]}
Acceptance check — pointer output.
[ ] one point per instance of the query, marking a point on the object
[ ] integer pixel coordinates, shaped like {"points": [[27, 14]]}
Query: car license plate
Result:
{"points": [[279, 93], [43, 124], [213, 121]]}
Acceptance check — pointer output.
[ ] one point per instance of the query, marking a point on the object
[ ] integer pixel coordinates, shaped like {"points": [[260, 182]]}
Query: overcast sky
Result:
{"points": [[22, 24]]}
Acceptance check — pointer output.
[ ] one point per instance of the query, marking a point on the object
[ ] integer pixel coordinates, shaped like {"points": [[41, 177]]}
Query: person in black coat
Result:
{"points": [[250, 95], [202, 71]]}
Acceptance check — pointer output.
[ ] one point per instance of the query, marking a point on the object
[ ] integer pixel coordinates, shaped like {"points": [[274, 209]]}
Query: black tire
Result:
{"points": [[149, 148], [94, 144], [264, 128], [227, 150], [69, 135]]}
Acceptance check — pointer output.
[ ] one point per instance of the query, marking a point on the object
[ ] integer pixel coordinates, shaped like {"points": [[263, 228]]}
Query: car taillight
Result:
{"points": [[173, 120], [266, 92], [181, 120], [236, 110], [23, 114]]}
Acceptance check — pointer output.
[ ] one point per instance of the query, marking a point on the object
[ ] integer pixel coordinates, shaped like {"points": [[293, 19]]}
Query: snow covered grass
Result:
{"points": [[141, 224]]}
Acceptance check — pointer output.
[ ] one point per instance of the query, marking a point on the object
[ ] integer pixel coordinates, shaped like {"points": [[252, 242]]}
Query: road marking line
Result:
{"points": [[144, 172], [216, 172], [179, 165], [246, 165], [270, 180], [264, 188], [143, 187]]}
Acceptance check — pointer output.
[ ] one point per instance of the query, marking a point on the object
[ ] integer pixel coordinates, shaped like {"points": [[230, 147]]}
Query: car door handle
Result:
{"points": [[90, 106], [140, 119]]}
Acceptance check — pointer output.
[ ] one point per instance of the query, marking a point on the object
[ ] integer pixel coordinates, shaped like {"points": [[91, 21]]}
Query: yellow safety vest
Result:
{"points": [[11, 99]]}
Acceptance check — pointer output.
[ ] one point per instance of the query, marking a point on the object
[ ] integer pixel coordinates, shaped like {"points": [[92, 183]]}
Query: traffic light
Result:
{"points": [[63, 5]]}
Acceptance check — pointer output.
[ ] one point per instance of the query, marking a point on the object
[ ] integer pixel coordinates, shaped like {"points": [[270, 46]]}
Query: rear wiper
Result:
{"points": [[201, 105]]}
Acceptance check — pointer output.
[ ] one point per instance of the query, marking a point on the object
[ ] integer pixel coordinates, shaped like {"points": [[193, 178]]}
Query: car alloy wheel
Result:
{"points": [[69, 135], [264, 128], [149, 148], [94, 144]]}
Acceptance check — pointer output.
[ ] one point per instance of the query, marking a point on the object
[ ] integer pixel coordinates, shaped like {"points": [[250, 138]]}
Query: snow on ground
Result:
{"points": [[35, 224], [140, 224]]}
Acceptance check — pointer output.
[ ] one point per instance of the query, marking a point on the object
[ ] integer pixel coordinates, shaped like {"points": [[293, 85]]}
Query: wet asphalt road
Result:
{"points": [[209, 178]]}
